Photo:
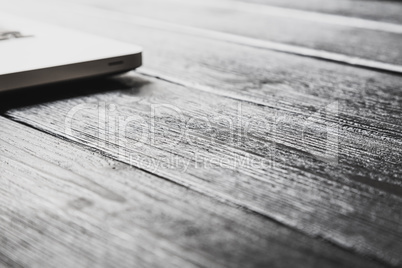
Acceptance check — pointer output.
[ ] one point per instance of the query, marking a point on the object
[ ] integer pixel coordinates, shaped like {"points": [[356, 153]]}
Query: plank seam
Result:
{"points": [[312, 16], [219, 197], [253, 42]]}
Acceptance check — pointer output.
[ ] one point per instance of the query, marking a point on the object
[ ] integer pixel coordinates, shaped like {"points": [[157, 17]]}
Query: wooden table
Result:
{"points": [[263, 133]]}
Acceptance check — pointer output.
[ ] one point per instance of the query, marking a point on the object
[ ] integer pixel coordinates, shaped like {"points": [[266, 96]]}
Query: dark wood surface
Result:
{"points": [[325, 138]]}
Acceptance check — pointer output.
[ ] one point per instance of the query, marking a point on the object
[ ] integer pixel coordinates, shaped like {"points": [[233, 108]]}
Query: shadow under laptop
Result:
{"points": [[20, 98]]}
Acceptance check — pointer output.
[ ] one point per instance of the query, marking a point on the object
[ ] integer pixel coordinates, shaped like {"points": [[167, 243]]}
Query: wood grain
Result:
{"points": [[390, 9], [364, 9], [367, 44], [353, 203], [342, 35], [63, 205], [290, 185]]}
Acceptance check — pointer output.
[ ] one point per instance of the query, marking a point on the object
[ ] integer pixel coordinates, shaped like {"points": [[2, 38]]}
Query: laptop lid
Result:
{"points": [[33, 53]]}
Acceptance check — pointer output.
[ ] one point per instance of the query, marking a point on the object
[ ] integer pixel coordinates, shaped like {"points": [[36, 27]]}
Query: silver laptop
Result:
{"points": [[33, 53]]}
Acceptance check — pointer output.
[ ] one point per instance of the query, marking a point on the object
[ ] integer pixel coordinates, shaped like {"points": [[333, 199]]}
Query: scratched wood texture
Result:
{"points": [[263, 23], [66, 206], [361, 40], [390, 10], [328, 135], [364, 9], [387, 10]]}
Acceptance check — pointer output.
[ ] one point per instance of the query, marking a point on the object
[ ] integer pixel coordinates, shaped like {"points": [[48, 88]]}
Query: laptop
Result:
{"points": [[33, 53]]}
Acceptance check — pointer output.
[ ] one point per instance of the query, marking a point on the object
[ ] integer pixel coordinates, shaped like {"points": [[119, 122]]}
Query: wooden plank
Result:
{"points": [[372, 45], [63, 205], [314, 196], [251, 74], [381, 11], [301, 94], [282, 181], [387, 11], [363, 39], [227, 9]]}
